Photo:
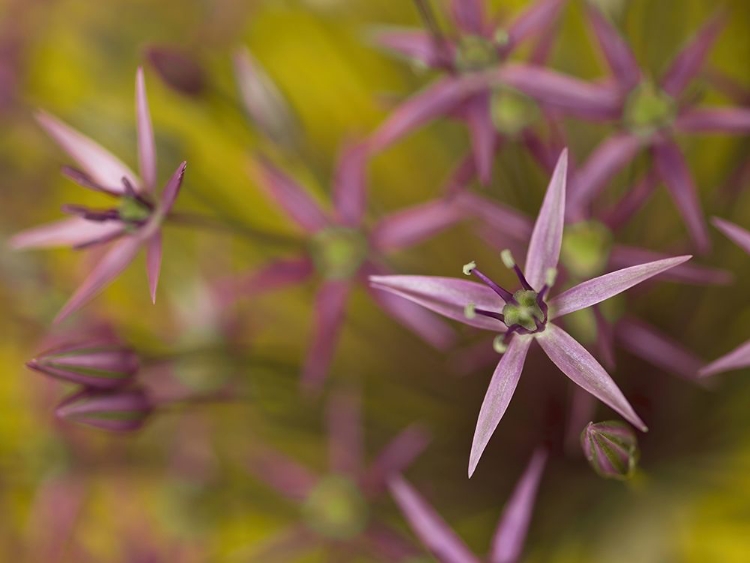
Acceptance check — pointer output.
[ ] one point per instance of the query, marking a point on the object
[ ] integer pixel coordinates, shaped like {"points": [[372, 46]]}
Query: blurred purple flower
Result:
{"points": [[470, 91], [343, 253], [739, 357], [136, 221], [102, 363], [611, 448], [178, 69], [447, 547], [335, 507], [119, 410], [524, 316]]}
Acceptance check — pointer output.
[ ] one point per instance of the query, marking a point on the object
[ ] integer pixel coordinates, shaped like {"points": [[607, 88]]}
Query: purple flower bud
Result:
{"points": [[177, 69], [98, 363], [611, 448], [124, 410]]}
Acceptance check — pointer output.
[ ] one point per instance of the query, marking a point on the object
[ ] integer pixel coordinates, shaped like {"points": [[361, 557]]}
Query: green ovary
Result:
{"points": [[475, 53], [585, 249], [338, 252], [525, 311], [336, 508], [511, 111], [133, 211], [649, 109]]}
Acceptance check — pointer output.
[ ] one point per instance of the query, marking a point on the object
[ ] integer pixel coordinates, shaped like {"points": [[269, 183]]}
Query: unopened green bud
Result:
{"points": [[611, 448]]}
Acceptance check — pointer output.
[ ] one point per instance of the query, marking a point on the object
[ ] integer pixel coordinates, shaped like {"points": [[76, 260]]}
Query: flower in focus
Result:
{"points": [[335, 507], [446, 546], [525, 315], [133, 224], [470, 92], [118, 410], [611, 448], [739, 357]]}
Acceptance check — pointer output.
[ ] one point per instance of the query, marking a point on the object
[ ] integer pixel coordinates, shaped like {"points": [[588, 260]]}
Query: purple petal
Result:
{"points": [[546, 239], [635, 198], [735, 233], [446, 296], [689, 61], [545, 154], [603, 287], [538, 17], [345, 433], [714, 120], [736, 359], [616, 50], [330, 307], [68, 232], [290, 196], [501, 218], [644, 341], [411, 43], [389, 544], [102, 166], [273, 276], [496, 400], [410, 226], [674, 172], [510, 535], [114, 262], [153, 263], [624, 256], [284, 475], [146, 144], [483, 135], [172, 190], [461, 176], [469, 15], [350, 185], [396, 457], [583, 369], [603, 164], [555, 90], [427, 524]]}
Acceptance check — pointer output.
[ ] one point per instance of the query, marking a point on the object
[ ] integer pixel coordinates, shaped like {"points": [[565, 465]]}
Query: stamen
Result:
{"points": [[499, 345], [470, 311], [129, 188], [507, 258], [550, 277], [428, 17], [91, 214], [505, 295], [83, 180]]}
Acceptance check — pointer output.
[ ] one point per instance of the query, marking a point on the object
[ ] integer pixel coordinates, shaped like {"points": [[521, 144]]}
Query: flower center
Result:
{"points": [[649, 109], [133, 210], [474, 53], [338, 252], [524, 310], [336, 508], [511, 111], [585, 249]]}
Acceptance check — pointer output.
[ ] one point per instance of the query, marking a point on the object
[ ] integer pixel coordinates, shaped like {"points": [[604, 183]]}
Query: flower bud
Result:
{"points": [[611, 448], [98, 363], [124, 410], [177, 69]]}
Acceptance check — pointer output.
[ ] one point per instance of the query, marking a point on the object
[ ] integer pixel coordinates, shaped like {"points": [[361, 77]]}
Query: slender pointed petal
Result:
{"points": [[153, 263], [736, 359], [623, 211], [644, 341], [735, 233], [510, 535], [114, 262], [396, 457], [274, 276], [281, 473], [623, 256], [546, 240], [101, 165], [689, 61], [461, 176], [330, 307], [345, 433], [469, 15], [715, 120], [389, 544], [674, 172], [146, 144], [172, 190], [413, 44], [413, 225], [289, 196], [606, 161], [603, 287], [499, 217], [350, 185], [483, 135], [583, 369], [559, 91], [68, 232], [427, 524], [446, 296], [616, 50], [498, 396], [538, 17]]}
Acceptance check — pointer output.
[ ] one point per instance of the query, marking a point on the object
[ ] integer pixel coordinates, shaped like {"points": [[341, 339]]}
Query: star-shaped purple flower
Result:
{"points": [[133, 224], [525, 315]]}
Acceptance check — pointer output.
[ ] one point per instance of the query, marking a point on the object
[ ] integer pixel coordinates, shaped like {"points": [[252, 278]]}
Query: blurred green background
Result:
{"points": [[178, 490]]}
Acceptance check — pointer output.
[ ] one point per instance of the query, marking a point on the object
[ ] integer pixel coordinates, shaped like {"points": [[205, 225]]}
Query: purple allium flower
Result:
{"points": [[344, 253], [102, 363], [611, 448], [118, 410], [135, 222], [335, 507], [525, 315], [739, 357], [447, 547], [469, 92], [178, 69]]}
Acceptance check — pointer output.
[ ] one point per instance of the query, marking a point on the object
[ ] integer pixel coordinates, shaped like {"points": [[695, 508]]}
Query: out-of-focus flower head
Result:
{"points": [[335, 507], [133, 224], [510, 534], [611, 448], [525, 316], [114, 410]]}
